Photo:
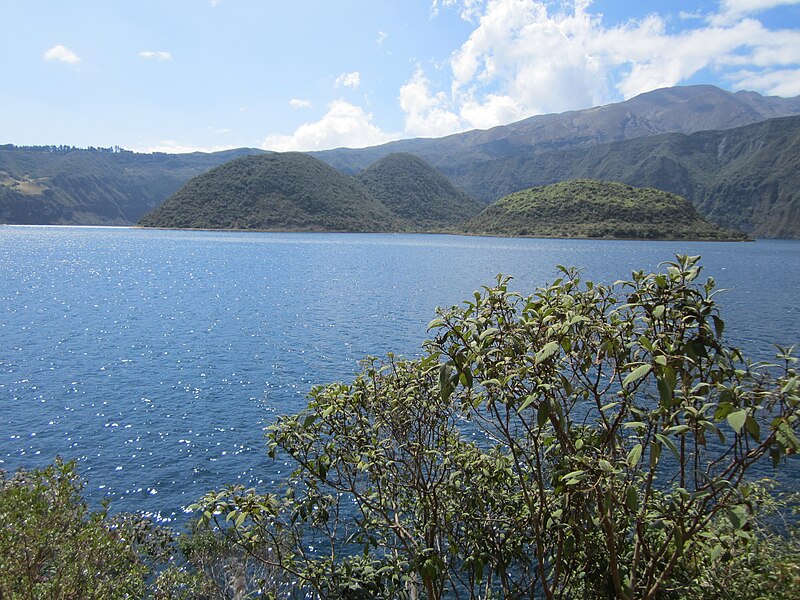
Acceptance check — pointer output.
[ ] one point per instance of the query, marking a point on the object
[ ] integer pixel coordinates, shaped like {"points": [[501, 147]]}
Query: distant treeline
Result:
{"points": [[63, 149]]}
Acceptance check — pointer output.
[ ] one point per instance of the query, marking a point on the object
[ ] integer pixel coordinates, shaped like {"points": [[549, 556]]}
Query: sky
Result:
{"points": [[207, 75]]}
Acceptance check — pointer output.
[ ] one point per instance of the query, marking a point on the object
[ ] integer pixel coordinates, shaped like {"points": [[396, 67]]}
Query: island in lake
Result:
{"points": [[402, 193]]}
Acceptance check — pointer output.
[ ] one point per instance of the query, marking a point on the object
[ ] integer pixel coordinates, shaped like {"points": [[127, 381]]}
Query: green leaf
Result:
{"points": [[436, 324], [737, 419], [655, 453], [527, 402], [446, 385], [632, 499], [669, 444], [719, 325], [543, 413], [634, 456], [637, 374], [546, 352], [737, 515]]}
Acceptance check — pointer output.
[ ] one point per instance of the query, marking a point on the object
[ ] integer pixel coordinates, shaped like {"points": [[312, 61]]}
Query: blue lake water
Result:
{"points": [[157, 358]]}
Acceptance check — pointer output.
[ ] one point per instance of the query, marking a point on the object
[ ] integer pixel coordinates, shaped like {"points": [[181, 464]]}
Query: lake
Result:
{"points": [[157, 358]]}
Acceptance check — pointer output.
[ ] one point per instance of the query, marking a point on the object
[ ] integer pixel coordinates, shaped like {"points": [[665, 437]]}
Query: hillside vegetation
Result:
{"points": [[586, 208], [414, 191], [295, 192], [746, 178], [274, 192], [734, 156], [70, 186]]}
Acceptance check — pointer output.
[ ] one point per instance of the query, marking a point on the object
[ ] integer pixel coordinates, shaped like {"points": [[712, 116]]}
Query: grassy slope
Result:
{"points": [[89, 187], [280, 192], [586, 208], [746, 178], [417, 193]]}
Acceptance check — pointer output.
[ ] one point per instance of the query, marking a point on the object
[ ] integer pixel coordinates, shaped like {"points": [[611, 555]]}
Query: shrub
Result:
{"points": [[584, 441]]}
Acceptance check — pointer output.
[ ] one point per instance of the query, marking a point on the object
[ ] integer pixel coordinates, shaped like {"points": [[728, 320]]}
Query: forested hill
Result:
{"points": [[296, 192], [586, 208], [746, 178], [275, 192], [69, 186], [414, 191]]}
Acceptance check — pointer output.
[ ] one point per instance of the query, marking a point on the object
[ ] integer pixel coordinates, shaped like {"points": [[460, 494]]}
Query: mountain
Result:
{"points": [[70, 186], [586, 208], [414, 191], [748, 181], [276, 192], [684, 109], [746, 178]]}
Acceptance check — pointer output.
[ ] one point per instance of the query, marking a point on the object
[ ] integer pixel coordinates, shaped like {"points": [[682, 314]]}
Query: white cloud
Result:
{"points": [[750, 6], [527, 57], [174, 147], [343, 125], [732, 11], [155, 55], [62, 54], [468, 9], [352, 80], [784, 83], [426, 114], [382, 35], [215, 3], [299, 103]]}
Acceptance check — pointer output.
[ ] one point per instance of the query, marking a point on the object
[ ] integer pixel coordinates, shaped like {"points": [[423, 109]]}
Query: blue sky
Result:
{"points": [[182, 75]]}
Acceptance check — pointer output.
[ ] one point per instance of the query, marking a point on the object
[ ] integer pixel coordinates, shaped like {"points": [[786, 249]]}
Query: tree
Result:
{"points": [[53, 546], [585, 441]]}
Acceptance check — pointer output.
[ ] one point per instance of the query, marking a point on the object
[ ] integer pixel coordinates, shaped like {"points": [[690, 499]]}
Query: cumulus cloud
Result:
{"points": [[526, 57], [175, 147], [155, 55], [62, 54], [784, 83], [299, 103], [352, 80], [343, 125], [426, 114], [751, 6], [467, 9]]}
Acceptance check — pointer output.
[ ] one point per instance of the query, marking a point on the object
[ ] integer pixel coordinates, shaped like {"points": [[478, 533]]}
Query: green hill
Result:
{"points": [[274, 192], [586, 208], [746, 178], [417, 193], [69, 186]]}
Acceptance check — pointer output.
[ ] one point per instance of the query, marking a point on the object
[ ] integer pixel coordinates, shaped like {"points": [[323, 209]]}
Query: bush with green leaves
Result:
{"points": [[53, 546], [584, 441]]}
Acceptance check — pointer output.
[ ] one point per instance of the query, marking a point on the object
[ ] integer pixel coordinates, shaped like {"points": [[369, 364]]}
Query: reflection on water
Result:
{"points": [[157, 358]]}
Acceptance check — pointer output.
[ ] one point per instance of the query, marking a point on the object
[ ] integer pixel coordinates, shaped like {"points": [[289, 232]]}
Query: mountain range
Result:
{"points": [[734, 156]]}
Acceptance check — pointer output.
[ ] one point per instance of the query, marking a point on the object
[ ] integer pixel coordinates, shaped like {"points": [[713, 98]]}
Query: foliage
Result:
{"points": [[295, 192], [71, 186], [416, 192], [53, 546], [281, 192], [586, 208], [763, 564], [585, 441]]}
